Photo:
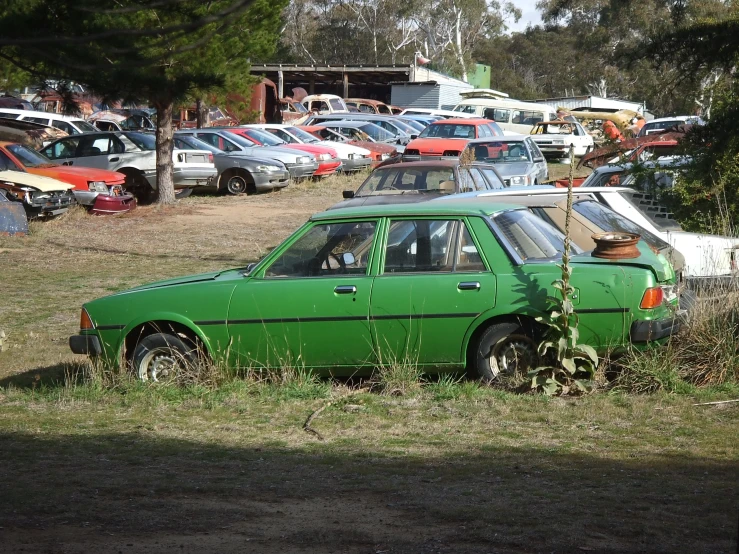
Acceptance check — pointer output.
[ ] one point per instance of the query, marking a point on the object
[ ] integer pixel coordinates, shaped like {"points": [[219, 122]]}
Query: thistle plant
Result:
{"points": [[571, 365]]}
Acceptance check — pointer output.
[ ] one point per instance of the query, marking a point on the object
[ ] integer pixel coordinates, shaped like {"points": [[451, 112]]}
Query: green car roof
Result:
{"points": [[451, 206]]}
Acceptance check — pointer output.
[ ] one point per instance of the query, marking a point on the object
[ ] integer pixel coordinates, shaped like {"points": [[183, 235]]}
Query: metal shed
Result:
{"points": [[594, 103]]}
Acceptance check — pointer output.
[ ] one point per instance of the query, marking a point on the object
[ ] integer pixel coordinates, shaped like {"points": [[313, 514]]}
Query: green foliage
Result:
{"points": [[573, 365], [706, 199]]}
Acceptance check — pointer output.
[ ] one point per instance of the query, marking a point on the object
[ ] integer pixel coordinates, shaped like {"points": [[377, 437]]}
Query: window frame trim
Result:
{"points": [[258, 272]]}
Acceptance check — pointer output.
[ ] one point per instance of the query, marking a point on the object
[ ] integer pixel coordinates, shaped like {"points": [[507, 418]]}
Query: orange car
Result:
{"points": [[99, 190], [448, 138]]}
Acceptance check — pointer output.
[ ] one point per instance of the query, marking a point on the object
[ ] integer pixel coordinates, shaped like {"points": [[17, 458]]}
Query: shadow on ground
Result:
{"points": [[50, 376], [141, 493]]}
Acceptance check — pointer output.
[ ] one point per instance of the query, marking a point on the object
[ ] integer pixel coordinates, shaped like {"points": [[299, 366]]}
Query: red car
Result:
{"points": [[448, 138], [328, 160], [100, 190]]}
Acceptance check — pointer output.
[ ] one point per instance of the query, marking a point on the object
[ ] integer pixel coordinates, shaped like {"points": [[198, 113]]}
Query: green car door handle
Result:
{"points": [[345, 289], [469, 285]]}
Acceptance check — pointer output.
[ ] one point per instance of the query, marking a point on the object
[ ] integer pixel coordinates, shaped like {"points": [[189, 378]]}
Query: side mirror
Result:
{"points": [[348, 258], [348, 194], [250, 267], [538, 159], [414, 137]]}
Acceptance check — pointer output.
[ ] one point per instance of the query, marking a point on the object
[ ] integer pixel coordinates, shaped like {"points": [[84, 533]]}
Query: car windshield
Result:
{"points": [[30, 158], [142, 140], [416, 125], [608, 220], [403, 126], [661, 125], [373, 131], [83, 126], [185, 142], [402, 180], [448, 130], [267, 139], [241, 140], [497, 151], [302, 135], [531, 237]]}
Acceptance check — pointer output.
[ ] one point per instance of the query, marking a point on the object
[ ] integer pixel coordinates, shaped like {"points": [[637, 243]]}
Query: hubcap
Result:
{"points": [[512, 355], [159, 364], [236, 185]]}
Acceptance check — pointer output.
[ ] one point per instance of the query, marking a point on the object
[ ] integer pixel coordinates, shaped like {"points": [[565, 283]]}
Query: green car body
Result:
{"points": [[420, 283]]}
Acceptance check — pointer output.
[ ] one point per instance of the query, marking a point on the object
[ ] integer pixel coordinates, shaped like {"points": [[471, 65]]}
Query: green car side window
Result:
{"points": [[420, 246], [468, 257], [327, 250]]}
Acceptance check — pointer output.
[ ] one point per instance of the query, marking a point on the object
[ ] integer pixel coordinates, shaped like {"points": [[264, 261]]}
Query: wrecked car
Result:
{"points": [[40, 196], [100, 191], [554, 139]]}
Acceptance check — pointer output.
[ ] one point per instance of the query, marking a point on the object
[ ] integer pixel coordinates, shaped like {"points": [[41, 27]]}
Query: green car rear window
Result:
{"points": [[530, 237]]}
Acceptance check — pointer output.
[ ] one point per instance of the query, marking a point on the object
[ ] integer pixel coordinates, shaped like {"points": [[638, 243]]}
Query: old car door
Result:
{"points": [[540, 163], [92, 151], [62, 151], [310, 306], [433, 284]]}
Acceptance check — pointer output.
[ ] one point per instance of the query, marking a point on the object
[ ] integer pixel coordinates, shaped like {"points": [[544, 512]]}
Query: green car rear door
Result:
{"points": [[433, 285]]}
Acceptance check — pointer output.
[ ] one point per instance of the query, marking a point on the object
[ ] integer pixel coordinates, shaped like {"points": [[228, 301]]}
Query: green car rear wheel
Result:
{"points": [[506, 349]]}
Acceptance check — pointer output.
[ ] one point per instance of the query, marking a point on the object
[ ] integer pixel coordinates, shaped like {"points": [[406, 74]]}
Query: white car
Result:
{"points": [[133, 154], [661, 124], [353, 158], [709, 259], [554, 139]]}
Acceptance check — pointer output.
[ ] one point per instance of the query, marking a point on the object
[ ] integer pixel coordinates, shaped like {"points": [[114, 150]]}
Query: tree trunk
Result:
{"points": [[165, 146], [200, 109]]}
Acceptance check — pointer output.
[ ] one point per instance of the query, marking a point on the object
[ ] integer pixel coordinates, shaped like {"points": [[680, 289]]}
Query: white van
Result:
{"points": [[69, 124], [512, 115]]}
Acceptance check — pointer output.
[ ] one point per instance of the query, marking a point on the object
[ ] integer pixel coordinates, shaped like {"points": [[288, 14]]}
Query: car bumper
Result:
{"points": [[559, 151], [50, 206], [272, 180], [193, 177], [712, 285], [88, 345], [356, 164], [106, 204], [302, 171], [327, 168], [654, 330]]}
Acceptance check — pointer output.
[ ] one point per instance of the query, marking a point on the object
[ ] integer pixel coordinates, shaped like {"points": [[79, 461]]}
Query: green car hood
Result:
{"points": [[186, 280]]}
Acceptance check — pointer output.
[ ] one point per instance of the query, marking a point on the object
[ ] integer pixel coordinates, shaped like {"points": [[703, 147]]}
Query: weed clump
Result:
{"points": [[704, 353]]}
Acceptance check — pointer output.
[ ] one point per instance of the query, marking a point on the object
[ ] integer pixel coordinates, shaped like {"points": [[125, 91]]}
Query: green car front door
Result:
{"points": [[310, 306], [434, 284]]}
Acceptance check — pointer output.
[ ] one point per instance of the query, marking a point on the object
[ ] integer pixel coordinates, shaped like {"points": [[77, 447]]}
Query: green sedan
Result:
{"points": [[444, 285]]}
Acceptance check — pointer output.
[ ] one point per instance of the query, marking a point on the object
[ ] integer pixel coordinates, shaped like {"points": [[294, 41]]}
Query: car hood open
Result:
{"points": [[38, 182]]}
